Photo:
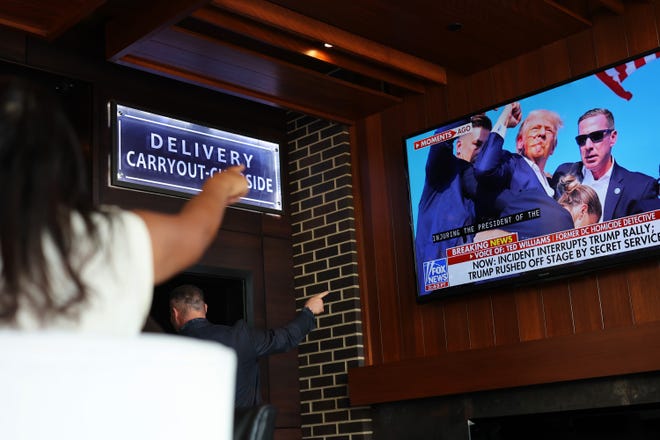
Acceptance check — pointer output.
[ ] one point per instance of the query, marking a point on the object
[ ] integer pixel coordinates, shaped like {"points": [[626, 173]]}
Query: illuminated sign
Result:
{"points": [[170, 156]]}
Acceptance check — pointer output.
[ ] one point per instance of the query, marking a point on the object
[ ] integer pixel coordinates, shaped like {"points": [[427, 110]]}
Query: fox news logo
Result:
{"points": [[435, 274]]}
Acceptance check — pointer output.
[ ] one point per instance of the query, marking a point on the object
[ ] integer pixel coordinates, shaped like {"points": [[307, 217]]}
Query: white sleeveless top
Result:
{"points": [[117, 270]]}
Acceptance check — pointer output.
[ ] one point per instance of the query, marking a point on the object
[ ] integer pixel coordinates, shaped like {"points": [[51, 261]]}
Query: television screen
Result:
{"points": [[160, 154], [556, 183]]}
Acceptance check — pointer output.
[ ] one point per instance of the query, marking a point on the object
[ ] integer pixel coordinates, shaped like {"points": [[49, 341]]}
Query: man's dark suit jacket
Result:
{"points": [[250, 344], [624, 193], [446, 204], [513, 187]]}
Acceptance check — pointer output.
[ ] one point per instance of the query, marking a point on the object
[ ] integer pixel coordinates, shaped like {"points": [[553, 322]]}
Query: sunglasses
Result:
{"points": [[595, 136]]}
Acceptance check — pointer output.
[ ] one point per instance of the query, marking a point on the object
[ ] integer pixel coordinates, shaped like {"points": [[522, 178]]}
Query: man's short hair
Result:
{"points": [[599, 111], [481, 120], [187, 297]]}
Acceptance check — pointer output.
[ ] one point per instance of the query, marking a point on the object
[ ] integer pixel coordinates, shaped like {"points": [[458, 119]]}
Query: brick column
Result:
{"points": [[325, 258]]}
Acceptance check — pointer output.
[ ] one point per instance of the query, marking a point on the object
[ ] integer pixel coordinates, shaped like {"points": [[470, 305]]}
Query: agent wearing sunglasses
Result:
{"points": [[619, 190]]}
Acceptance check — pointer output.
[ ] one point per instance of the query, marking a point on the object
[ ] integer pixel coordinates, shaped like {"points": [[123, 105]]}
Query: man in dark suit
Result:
{"points": [[446, 202], [188, 316], [511, 183], [621, 192]]}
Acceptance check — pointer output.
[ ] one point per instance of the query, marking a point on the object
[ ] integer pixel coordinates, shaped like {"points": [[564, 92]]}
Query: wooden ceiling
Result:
{"points": [[272, 51]]}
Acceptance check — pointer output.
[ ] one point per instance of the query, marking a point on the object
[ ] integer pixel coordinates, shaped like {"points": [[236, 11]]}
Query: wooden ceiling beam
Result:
{"points": [[179, 74], [570, 12], [287, 20], [47, 21], [249, 28], [143, 21], [188, 56], [615, 6]]}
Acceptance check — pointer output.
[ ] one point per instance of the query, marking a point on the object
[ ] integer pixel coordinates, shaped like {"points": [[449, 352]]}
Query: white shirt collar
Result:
{"points": [[600, 186], [541, 176]]}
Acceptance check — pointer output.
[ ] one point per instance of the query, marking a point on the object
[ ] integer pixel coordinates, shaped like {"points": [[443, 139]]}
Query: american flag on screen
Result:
{"points": [[614, 77]]}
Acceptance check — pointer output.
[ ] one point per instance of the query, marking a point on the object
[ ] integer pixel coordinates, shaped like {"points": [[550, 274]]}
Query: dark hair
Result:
{"points": [[187, 297], [42, 182], [481, 120]]}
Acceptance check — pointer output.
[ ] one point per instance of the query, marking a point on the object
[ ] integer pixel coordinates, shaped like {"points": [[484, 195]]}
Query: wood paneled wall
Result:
{"points": [[397, 329]]}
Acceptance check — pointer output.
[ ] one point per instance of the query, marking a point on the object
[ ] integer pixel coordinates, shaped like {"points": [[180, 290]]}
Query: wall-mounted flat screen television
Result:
{"points": [[164, 155], [551, 184]]}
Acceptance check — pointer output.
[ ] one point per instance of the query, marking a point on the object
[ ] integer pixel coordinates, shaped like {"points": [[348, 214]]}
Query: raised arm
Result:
{"points": [[278, 340], [489, 162], [179, 240]]}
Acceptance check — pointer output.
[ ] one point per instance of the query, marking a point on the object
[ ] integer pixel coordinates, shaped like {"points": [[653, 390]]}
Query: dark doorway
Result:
{"points": [[225, 293]]}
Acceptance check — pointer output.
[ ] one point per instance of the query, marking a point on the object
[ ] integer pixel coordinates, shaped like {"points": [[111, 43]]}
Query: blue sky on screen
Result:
{"points": [[637, 147]]}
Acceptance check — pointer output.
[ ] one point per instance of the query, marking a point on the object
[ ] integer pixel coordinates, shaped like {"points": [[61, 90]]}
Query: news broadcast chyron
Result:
{"points": [[161, 154], [457, 250]]}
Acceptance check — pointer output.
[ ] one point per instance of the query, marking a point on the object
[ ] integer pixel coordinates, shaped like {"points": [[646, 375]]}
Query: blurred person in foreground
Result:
{"points": [[70, 265]]}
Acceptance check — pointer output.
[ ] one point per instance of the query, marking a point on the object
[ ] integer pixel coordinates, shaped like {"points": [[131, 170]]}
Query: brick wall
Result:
{"points": [[325, 258]]}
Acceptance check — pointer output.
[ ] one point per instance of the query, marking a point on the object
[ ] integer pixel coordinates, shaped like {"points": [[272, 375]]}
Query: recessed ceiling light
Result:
{"points": [[327, 45]]}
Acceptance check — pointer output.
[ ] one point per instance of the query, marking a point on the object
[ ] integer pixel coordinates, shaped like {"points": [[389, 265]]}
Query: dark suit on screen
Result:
{"points": [[446, 201], [504, 169], [646, 205], [508, 185], [553, 217], [445, 204], [251, 344], [626, 191]]}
